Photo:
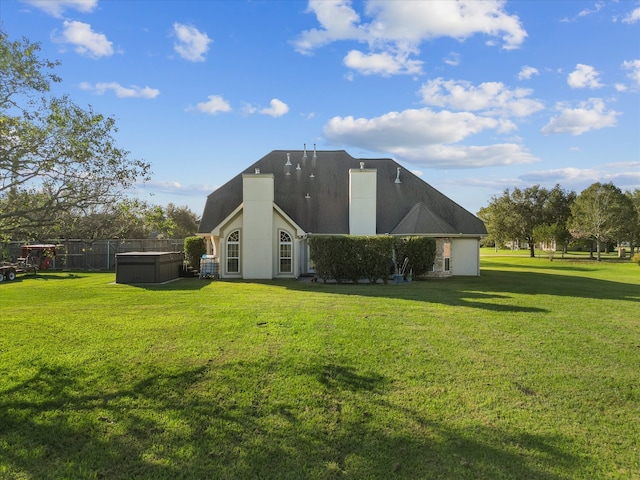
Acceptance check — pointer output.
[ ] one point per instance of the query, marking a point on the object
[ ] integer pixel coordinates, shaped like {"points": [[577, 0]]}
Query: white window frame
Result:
{"points": [[285, 243]]}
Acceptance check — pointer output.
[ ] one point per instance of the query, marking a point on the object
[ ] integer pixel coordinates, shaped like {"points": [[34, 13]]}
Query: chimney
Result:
{"points": [[362, 200], [257, 225]]}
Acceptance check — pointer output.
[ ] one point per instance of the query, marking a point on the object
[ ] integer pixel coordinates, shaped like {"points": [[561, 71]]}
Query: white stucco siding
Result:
{"points": [[465, 256], [257, 231], [362, 201]]}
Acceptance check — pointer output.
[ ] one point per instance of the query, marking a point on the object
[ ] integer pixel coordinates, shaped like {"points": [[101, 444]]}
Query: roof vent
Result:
{"points": [[298, 167], [304, 155], [315, 155], [361, 165], [398, 176], [288, 164], [257, 171]]}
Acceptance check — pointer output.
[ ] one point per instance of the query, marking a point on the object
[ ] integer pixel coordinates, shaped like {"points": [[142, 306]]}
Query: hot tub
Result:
{"points": [[148, 267]]}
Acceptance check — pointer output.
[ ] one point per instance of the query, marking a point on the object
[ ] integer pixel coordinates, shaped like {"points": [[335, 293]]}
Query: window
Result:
{"points": [[233, 252], [285, 250], [447, 256]]}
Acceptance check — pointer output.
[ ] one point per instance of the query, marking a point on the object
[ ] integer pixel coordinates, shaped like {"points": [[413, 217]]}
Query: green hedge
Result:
{"points": [[351, 258], [194, 248], [421, 252]]}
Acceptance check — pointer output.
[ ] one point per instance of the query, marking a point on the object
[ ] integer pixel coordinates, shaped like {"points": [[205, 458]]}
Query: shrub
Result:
{"points": [[375, 257], [349, 258], [421, 252], [194, 248], [636, 258]]}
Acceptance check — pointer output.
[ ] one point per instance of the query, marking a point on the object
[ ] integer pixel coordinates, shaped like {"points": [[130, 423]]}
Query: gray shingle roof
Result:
{"points": [[410, 207]]}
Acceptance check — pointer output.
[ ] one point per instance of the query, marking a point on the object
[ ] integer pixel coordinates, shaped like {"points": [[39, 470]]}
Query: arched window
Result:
{"points": [[285, 253], [233, 252]]}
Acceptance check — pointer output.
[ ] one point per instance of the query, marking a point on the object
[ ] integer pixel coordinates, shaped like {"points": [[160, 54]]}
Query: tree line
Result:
{"points": [[601, 214], [61, 173]]}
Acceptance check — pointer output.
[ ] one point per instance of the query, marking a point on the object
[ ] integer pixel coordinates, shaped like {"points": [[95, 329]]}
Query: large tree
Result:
{"points": [[601, 213], [128, 218], [634, 221], [515, 215], [558, 211], [55, 156]]}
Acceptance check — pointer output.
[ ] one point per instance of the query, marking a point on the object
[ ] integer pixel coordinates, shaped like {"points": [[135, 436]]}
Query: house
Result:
{"points": [[258, 223]]}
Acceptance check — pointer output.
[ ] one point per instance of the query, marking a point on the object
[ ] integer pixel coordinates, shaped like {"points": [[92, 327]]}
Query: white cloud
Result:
{"points": [[176, 188], [453, 59], [589, 115], [277, 108], [338, 21], [192, 44], [214, 104], [569, 175], [384, 63], [462, 156], [587, 11], [56, 8], [527, 72], [581, 178], [410, 21], [634, 71], [584, 76], [132, 91], [86, 41], [633, 16], [398, 28], [413, 127], [425, 137], [491, 98]]}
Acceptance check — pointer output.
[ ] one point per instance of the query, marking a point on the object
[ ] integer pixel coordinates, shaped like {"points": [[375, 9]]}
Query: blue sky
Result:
{"points": [[473, 96]]}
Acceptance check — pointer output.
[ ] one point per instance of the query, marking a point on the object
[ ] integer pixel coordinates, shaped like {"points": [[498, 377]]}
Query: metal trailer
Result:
{"points": [[10, 271], [34, 258]]}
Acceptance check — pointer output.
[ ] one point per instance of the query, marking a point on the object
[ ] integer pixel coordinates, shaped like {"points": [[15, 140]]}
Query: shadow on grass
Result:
{"points": [[478, 292], [47, 276], [204, 422], [178, 284]]}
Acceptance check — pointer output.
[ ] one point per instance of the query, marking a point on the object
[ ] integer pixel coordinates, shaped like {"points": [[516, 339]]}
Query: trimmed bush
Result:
{"points": [[194, 248], [376, 257], [636, 258], [350, 258], [421, 252]]}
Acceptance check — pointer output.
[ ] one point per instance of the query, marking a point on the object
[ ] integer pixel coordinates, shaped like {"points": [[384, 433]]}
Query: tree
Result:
{"points": [[599, 213], [184, 220], [548, 234], [124, 219], [498, 219], [634, 221], [558, 211], [55, 157], [515, 215]]}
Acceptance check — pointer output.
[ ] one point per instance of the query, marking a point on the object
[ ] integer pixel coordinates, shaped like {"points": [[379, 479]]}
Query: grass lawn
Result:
{"points": [[531, 371]]}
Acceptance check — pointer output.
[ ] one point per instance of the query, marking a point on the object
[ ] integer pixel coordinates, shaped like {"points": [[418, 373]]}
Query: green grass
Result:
{"points": [[531, 371]]}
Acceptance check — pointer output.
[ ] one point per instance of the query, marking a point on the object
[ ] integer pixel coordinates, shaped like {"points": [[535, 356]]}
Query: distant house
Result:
{"points": [[259, 222]]}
